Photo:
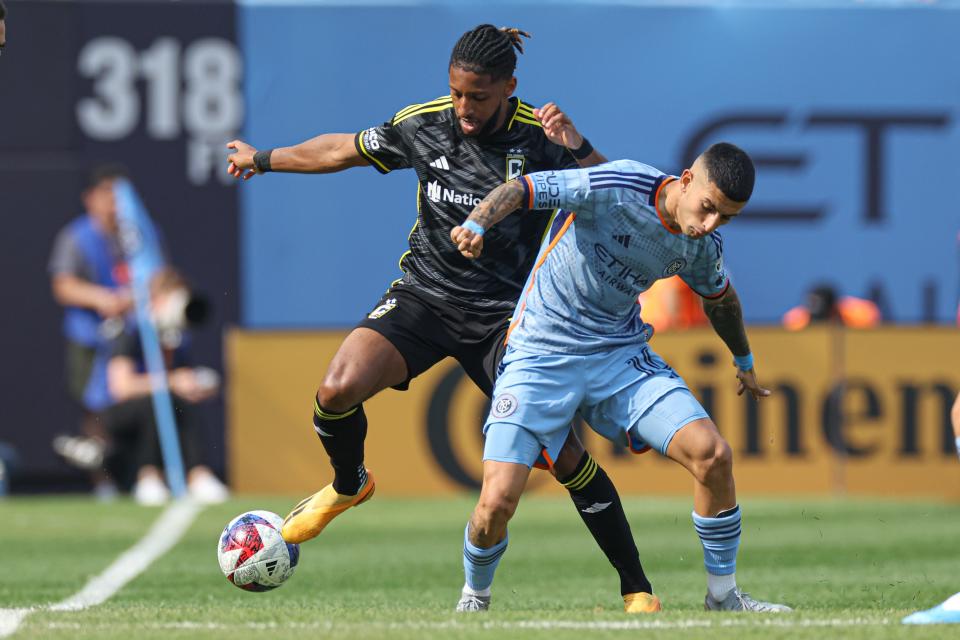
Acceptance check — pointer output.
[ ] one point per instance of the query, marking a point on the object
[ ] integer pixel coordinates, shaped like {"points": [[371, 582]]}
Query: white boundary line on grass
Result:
{"points": [[741, 621], [165, 532]]}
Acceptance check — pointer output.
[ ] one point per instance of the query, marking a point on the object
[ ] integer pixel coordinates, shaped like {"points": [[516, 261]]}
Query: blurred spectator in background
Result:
{"points": [[134, 452], [824, 305], [3, 26], [671, 304], [89, 279]]}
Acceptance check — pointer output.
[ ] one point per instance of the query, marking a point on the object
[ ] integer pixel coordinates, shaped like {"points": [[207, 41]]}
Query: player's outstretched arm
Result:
{"points": [[726, 316], [560, 130], [499, 203], [325, 153]]}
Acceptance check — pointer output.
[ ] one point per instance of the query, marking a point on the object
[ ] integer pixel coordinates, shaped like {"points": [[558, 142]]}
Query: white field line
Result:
{"points": [[165, 532], [774, 620]]}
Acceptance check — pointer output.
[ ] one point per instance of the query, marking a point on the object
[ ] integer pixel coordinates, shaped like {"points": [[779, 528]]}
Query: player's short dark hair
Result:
{"points": [[3, 10], [731, 169], [102, 172], [489, 51]]}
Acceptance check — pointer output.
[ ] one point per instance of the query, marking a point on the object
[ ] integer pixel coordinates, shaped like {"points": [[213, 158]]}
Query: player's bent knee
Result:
{"points": [[714, 462], [338, 394]]}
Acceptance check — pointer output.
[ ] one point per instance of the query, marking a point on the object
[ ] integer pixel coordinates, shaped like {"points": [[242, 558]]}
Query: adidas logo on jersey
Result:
{"points": [[441, 163], [623, 239]]}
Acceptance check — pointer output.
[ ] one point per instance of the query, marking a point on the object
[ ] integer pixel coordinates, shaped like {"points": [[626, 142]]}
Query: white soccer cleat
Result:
{"points": [[470, 603], [737, 600]]}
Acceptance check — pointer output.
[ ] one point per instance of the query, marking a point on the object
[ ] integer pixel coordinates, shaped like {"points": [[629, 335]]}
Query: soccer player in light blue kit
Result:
{"points": [[578, 343]]}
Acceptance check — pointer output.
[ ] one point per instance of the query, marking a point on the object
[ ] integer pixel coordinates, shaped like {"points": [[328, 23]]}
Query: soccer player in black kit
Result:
{"points": [[461, 146]]}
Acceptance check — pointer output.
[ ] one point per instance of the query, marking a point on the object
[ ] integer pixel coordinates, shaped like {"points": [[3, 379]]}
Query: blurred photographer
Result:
{"points": [[89, 278], [130, 421]]}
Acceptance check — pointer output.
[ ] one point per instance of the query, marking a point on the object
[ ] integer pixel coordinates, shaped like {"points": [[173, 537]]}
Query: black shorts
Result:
{"points": [[425, 329]]}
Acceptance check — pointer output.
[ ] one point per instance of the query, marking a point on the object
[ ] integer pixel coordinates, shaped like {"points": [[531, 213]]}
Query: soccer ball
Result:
{"points": [[252, 553]]}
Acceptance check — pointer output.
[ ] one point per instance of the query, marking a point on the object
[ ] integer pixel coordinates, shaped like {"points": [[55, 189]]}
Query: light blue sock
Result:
{"points": [[480, 564], [720, 538], [958, 445]]}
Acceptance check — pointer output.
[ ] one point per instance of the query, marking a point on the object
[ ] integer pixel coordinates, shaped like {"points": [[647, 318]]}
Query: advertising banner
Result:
{"points": [[864, 413]]}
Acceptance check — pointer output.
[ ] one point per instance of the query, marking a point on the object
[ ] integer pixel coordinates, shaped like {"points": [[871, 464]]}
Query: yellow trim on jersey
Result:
{"points": [[524, 113], [414, 107], [442, 107], [410, 235], [366, 154], [430, 107], [515, 112], [528, 121], [400, 261]]}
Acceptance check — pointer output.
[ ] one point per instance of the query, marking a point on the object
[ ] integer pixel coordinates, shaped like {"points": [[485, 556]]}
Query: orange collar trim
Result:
{"points": [[656, 204]]}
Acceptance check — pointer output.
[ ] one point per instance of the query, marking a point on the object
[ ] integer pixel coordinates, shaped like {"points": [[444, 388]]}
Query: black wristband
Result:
{"points": [[261, 160], [583, 151]]}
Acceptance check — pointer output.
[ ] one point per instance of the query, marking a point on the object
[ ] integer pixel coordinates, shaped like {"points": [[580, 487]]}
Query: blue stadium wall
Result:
{"points": [[849, 110]]}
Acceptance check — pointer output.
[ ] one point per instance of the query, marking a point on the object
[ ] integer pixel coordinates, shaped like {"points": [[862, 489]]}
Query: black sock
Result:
{"points": [[342, 435], [599, 505]]}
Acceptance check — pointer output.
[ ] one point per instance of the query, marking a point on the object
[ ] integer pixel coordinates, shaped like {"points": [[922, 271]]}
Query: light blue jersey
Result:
{"points": [[607, 246]]}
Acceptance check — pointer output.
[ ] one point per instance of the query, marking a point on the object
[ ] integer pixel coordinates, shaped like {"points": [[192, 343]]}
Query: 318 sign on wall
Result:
{"points": [[175, 89]]}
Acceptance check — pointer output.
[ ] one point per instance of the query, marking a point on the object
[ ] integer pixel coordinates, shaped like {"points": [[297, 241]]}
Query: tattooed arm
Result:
{"points": [[499, 203], [726, 316]]}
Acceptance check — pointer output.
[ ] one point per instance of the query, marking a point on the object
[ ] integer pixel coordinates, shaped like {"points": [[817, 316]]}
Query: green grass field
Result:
{"points": [[392, 569]]}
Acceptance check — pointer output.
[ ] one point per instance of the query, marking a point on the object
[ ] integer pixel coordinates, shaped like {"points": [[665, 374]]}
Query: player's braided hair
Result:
{"points": [[731, 169], [488, 50]]}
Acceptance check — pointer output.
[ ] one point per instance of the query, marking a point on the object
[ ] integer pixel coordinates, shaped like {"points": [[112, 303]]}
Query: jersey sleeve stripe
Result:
{"points": [[442, 106], [625, 174], [518, 118], [620, 185], [624, 180], [414, 107], [362, 150]]}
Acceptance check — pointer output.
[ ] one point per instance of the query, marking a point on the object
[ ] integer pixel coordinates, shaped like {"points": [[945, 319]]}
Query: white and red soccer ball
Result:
{"points": [[252, 553]]}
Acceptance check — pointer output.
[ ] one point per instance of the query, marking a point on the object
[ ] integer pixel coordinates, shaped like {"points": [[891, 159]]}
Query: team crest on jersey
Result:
{"points": [[674, 266], [383, 309], [504, 405], [515, 162]]}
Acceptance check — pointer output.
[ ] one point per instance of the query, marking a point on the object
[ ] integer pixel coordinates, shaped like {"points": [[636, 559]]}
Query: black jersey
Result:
{"points": [[454, 173]]}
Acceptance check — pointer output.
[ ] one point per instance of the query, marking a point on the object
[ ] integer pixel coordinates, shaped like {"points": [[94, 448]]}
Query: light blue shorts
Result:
{"points": [[627, 394]]}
